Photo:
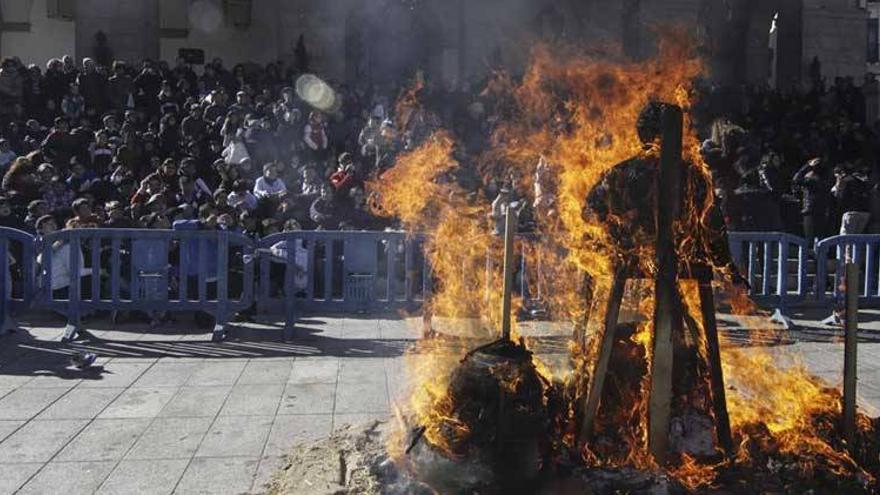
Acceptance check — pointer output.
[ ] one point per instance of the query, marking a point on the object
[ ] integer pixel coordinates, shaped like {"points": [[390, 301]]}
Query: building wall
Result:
{"points": [[46, 39], [204, 27], [131, 27], [835, 31], [453, 40]]}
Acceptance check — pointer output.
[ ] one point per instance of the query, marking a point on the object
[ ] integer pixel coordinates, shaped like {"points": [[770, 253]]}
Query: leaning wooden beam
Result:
{"points": [[716, 375], [667, 319], [600, 370], [850, 353]]}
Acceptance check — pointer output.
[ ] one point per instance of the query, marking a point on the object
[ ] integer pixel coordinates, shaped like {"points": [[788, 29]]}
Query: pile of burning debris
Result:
{"points": [[650, 407]]}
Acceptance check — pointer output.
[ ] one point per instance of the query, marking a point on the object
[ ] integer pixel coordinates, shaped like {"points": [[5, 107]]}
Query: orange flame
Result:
{"points": [[577, 113]]}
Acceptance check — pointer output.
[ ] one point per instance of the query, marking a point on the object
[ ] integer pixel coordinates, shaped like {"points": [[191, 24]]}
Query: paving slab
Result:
{"points": [[8, 427], [25, 403], [103, 440], [288, 430], [13, 476], [218, 476], [139, 403], [81, 403], [170, 438], [359, 370], [217, 372], [314, 370], [67, 378], [366, 397], [236, 436], [119, 373], [308, 398], [147, 477], [196, 401], [68, 478], [266, 371], [39, 440], [167, 373], [253, 400], [12, 381]]}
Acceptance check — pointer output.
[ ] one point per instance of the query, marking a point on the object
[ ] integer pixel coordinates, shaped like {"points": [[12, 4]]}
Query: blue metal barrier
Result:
{"points": [[764, 259], [340, 272], [860, 249], [147, 270], [221, 272], [18, 284]]}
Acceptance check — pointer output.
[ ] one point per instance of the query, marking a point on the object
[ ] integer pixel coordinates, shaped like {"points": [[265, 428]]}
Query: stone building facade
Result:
{"points": [[746, 41]]}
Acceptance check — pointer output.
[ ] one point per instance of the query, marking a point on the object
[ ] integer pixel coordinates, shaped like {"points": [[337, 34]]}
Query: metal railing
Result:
{"points": [[764, 259], [18, 286], [220, 273], [340, 272], [831, 256], [154, 271]]}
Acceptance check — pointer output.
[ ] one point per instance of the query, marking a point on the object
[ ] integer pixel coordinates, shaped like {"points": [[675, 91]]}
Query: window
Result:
{"points": [[873, 40], [238, 12], [61, 9]]}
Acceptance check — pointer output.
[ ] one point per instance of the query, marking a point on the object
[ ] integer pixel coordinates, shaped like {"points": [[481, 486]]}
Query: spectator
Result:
{"points": [[324, 211], [7, 156], [815, 198], [269, 185], [241, 197], [83, 218], [315, 138], [852, 190], [73, 105], [61, 275]]}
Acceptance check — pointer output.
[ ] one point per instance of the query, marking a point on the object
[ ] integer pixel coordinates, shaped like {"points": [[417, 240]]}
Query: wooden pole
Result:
{"points": [[850, 353], [509, 233], [667, 319], [597, 382], [716, 375]]}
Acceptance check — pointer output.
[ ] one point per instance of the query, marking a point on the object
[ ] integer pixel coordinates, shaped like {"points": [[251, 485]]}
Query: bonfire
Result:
{"points": [[486, 416]]}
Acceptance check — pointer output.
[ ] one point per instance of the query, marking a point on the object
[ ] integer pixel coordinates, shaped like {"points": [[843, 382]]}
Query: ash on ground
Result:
{"points": [[354, 460]]}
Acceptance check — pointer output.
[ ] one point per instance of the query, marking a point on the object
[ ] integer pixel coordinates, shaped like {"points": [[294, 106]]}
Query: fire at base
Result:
{"points": [[577, 114]]}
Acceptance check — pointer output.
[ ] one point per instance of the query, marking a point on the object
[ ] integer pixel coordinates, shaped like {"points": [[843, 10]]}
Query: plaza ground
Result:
{"points": [[167, 411]]}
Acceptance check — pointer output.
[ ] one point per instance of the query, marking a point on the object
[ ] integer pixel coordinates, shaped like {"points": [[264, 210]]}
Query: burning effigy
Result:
{"points": [[658, 404]]}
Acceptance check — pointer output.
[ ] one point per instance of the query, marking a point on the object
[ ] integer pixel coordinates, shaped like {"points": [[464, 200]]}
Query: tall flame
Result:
{"points": [[576, 112]]}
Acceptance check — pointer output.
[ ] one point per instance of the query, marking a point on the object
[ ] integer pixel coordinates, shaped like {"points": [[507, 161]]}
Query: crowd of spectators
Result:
{"points": [[145, 147], [802, 162], [85, 145]]}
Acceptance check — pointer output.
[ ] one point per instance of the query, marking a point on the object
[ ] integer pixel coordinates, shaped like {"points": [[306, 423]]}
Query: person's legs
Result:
{"points": [[809, 228]]}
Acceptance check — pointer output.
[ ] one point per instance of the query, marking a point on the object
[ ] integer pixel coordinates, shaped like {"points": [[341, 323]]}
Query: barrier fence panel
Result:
{"points": [[764, 259], [219, 272], [18, 284], [154, 271], [340, 272], [831, 256]]}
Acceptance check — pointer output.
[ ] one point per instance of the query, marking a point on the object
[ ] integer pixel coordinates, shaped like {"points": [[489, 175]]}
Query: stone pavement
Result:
{"points": [[168, 411]]}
